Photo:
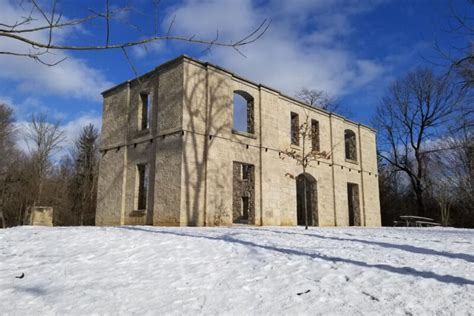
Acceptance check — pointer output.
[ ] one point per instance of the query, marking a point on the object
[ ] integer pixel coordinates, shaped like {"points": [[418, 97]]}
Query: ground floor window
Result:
{"points": [[243, 189], [353, 204], [306, 188], [142, 187]]}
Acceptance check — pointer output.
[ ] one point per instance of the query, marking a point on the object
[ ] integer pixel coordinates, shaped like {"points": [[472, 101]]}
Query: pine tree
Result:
{"points": [[85, 175]]}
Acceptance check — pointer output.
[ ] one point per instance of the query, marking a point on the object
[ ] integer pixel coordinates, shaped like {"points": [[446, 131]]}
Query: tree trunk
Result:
{"points": [[305, 203], [2, 200], [2, 218], [445, 210], [419, 201]]}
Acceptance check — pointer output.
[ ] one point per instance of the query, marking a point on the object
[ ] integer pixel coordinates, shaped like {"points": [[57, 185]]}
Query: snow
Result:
{"points": [[236, 270]]}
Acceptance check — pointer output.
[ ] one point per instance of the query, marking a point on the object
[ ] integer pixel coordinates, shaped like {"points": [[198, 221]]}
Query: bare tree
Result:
{"points": [[451, 175], [7, 142], [392, 193], [43, 139], [14, 189], [7, 147], [305, 154], [414, 111], [38, 26], [6, 125], [457, 155], [317, 99], [441, 183]]}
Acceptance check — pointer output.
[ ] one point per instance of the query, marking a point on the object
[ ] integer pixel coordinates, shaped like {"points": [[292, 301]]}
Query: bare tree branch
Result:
{"points": [[460, 59], [52, 21], [43, 139]]}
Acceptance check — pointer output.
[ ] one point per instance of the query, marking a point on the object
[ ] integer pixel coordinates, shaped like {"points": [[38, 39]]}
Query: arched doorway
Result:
{"points": [[311, 199]]}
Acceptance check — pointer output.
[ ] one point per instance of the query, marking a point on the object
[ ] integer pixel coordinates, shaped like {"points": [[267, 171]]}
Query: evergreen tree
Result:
{"points": [[84, 184]]}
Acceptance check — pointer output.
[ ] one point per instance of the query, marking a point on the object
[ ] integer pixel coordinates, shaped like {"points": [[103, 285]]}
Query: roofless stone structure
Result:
{"points": [[191, 143]]}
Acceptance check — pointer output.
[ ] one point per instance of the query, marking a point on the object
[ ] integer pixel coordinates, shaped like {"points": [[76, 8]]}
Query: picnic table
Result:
{"points": [[415, 221]]}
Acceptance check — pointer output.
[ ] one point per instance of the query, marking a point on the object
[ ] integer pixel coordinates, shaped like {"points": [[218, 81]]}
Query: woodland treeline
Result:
{"points": [[424, 126], [425, 131], [37, 176]]}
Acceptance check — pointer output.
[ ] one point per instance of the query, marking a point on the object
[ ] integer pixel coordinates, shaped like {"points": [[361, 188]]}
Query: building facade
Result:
{"points": [[192, 144]]}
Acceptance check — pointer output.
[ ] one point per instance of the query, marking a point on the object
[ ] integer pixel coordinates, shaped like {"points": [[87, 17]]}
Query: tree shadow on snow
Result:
{"points": [[31, 290], [287, 251], [408, 248]]}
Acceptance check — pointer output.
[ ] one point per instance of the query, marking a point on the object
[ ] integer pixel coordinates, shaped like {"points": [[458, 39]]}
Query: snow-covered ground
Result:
{"points": [[237, 270]]}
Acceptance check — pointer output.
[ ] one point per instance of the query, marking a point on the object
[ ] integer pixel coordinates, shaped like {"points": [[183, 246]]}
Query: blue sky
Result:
{"points": [[350, 49]]}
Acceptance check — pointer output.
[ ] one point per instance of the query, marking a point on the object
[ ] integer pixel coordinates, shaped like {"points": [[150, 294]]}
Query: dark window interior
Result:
{"points": [[295, 136]]}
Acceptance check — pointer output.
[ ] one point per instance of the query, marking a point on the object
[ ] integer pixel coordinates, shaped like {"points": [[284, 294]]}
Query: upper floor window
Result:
{"points": [[315, 135], [351, 144], [243, 118], [144, 111], [295, 126]]}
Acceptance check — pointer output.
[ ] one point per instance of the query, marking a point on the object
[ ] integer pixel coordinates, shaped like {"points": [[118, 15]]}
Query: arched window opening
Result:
{"points": [[351, 145], [243, 119]]}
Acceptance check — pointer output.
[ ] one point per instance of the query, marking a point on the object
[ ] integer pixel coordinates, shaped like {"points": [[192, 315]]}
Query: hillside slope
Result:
{"points": [[236, 270]]}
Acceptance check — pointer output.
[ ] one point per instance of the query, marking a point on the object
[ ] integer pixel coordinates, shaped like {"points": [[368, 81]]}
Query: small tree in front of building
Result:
{"points": [[304, 153]]}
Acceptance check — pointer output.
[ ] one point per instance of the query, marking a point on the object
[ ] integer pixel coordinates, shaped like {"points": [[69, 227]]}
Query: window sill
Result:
{"points": [[137, 213], [294, 146], [355, 162], [142, 132], [245, 134]]}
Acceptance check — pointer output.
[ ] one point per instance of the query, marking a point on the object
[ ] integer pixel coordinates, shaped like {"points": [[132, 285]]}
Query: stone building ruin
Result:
{"points": [[192, 144]]}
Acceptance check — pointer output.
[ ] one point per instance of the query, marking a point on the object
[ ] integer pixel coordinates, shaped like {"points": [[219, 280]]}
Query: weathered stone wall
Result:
{"points": [[110, 187], [168, 189], [272, 130], [41, 216], [370, 181], [210, 146], [137, 153], [126, 145]]}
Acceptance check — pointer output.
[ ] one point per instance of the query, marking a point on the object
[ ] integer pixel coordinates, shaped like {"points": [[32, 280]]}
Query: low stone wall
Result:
{"points": [[41, 216]]}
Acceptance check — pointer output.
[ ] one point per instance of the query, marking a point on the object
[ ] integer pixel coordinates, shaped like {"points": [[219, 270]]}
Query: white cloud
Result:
{"points": [[24, 107], [203, 18], [303, 47], [73, 77], [153, 48], [6, 100], [73, 129]]}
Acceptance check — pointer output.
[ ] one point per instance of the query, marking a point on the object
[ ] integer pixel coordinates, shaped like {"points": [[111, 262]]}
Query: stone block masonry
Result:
{"points": [[41, 216]]}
